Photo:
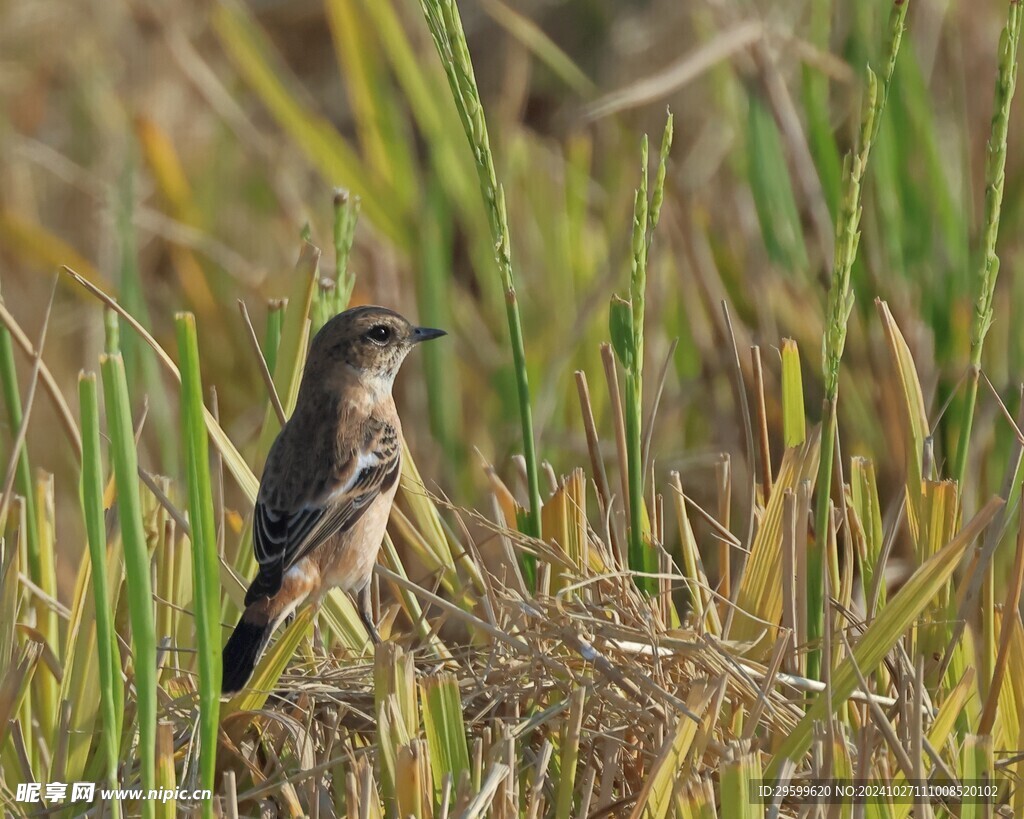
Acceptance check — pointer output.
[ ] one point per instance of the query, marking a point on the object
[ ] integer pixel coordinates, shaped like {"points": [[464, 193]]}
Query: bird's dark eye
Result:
{"points": [[380, 334]]}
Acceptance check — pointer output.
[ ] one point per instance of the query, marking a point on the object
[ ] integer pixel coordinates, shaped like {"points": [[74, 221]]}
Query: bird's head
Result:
{"points": [[371, 341]]}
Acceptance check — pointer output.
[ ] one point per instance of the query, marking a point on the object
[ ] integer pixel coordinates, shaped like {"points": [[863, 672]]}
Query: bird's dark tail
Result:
{"points": [[244, 647]]}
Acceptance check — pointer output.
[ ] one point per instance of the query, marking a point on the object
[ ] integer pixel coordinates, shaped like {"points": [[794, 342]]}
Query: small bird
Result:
{"points": [[329, 480]]}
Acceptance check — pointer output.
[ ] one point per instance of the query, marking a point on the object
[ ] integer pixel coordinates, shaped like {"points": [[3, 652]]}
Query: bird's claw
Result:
{"points": [[371, 627]]}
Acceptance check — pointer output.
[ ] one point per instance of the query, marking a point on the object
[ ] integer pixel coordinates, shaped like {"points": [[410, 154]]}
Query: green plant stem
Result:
{"points": [[642, 212], [626, 327], [525, 413], [272, 335], [346, 214], [995, 178], [638, 549], [445, 27], [92, 508], [840, 304]]}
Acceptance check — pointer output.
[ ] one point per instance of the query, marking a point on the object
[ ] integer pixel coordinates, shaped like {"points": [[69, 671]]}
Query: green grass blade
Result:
{"points": [[272, 334], [444, 728], [346, 215], [866, 505], [569, 752], [738, 776], [395, 702], [92, 509], [205, 567], [23, 475], [772, 191], [47, 686], [912, 410], [794, 423], [815, 92], [137, 565], [978, 766], [9, 602]]}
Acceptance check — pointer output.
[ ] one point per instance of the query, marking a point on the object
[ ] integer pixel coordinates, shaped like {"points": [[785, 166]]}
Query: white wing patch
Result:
{"points": [[364, 467], [282, 536]]}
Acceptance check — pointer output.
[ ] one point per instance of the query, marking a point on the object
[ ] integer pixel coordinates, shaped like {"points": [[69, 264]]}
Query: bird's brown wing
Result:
{"points": [[284, 533]]}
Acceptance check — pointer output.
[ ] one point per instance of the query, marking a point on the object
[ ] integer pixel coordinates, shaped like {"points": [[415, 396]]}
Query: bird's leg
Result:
{"points": [[318, 637], [366, 614]]}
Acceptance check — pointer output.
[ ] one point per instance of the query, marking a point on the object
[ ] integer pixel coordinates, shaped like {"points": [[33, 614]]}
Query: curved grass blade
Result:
{"points": [[914, 415], [232, 457]]}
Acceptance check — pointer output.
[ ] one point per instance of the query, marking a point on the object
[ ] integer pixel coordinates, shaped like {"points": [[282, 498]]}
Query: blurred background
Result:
{"points": [[175, 153]]}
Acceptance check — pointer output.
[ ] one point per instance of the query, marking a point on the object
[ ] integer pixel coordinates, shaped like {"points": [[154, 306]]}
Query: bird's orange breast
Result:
{"points": [[346, 560]]}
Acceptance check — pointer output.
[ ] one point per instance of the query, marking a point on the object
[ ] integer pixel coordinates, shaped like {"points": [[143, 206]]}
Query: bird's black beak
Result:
{"points": [[425, 334]]}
